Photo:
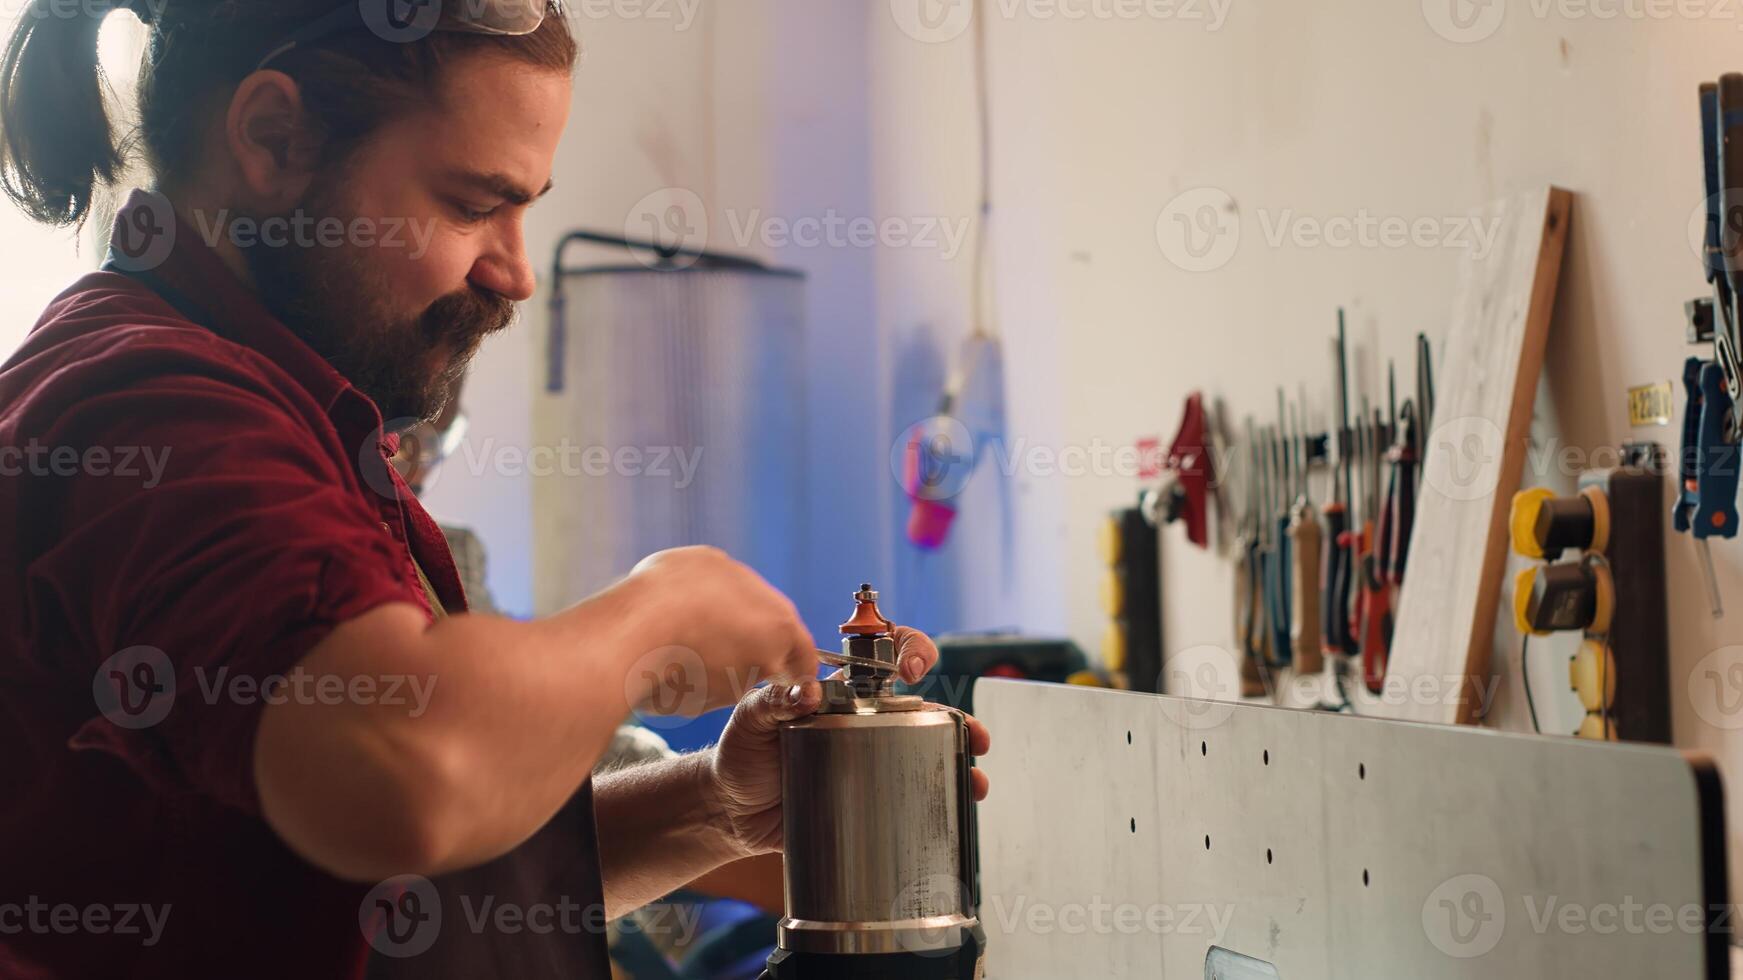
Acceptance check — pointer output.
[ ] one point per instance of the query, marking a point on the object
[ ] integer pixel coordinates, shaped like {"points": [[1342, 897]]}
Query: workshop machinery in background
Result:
{"points": [[879, 823], [1612, 591], [1706, 502], [964, 658]]}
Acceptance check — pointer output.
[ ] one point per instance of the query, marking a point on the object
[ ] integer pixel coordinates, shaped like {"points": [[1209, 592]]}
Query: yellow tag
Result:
{"points": [[1650, 404]]}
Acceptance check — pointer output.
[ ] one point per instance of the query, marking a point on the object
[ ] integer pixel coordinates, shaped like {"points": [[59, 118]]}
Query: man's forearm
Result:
{"points": [[658, 830], [517, 715]]}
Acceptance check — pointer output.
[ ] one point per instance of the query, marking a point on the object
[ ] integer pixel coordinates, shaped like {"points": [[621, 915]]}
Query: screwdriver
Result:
{"points": [[1276, 600], [1376, 624], [1304, 536], [1250, 621], [1285, 571], [1334, 611]]}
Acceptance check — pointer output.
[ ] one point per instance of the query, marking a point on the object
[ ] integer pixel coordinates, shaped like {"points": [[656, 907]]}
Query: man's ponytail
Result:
{"points": [[56, 141]]}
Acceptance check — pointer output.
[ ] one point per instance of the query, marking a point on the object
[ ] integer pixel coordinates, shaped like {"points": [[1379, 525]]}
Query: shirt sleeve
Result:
{"points": [[178, 588]]}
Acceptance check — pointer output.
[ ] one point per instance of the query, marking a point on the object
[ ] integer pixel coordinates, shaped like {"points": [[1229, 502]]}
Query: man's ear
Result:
{"points": [[271, 139]]}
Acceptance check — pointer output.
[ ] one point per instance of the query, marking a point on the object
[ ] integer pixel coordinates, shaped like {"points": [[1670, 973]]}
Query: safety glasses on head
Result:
{"points": [[405, 21]]}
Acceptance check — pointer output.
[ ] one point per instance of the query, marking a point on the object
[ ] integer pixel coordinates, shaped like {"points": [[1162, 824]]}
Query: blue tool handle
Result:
{"points": [[1712, 257], [1688, 461], [1716, 462]]}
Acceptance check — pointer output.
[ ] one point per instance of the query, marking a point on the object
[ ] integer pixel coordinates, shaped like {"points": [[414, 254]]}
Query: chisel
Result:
{"points": [[1305, 540]]}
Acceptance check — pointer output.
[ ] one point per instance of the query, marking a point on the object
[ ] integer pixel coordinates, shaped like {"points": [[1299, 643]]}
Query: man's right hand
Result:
{"points": [[725, 630]]}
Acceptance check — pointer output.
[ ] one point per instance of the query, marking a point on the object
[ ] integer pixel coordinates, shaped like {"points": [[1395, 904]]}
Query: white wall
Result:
{"points": [[1322, 110], [758, 110]]}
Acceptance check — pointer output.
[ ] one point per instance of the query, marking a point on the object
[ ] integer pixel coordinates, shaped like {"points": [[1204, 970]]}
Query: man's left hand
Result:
{"points": [[746, 772]]}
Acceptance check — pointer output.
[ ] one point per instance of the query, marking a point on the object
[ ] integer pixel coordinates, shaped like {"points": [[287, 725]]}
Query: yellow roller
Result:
{"points": [[1113, 647], [1113, 592], [1522, 586], [1597, 729], [1592, 673], [1109, 542], [1523, 520]]}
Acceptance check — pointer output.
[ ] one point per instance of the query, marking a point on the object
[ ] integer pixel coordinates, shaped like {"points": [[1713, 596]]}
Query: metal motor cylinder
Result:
{"points": [[879, 823]]}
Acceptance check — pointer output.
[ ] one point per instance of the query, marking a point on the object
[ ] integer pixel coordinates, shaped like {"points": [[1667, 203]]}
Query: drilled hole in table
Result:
{"points": [[1128, 738], [1364, 877], [1362, 771], [1267, 757], [1204, 748], [1267, 855], [1134, 825], [1207, 842]]}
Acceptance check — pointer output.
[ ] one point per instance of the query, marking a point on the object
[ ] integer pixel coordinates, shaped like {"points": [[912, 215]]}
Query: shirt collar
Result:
{"points": [[212, 295]]}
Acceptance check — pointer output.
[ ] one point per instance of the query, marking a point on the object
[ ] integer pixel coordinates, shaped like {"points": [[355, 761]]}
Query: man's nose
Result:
{"points": [[505, 270]]}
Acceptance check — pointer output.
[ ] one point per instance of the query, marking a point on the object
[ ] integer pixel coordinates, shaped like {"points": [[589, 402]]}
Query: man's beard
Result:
{"points": [[330, 297]]}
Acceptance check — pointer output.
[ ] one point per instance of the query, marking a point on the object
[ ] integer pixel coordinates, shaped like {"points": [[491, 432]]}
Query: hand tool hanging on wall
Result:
{"points": [[1405, 457], [1305, 542], [1188, 475], [1706, 502], [1387, 527], [1272, 558], [1249, 577], [1376, 604], [1337, 578], [1284, 583]]}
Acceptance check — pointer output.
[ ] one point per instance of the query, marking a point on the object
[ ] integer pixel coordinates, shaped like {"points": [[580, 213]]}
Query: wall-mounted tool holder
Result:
{"points": [[1612, 591]]}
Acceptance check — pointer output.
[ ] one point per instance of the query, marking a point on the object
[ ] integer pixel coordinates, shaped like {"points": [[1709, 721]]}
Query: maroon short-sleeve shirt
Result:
{"points": [[190, 499]]}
